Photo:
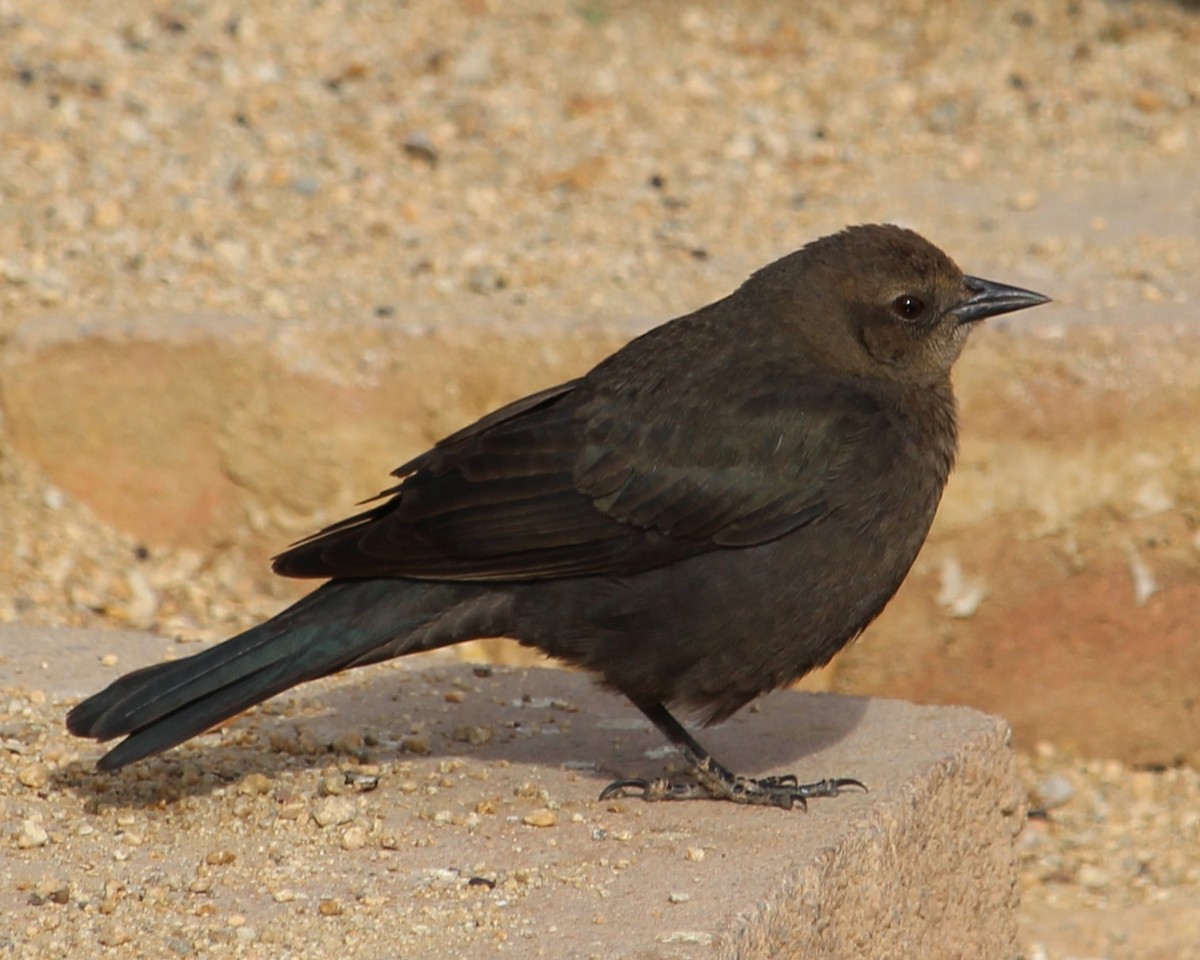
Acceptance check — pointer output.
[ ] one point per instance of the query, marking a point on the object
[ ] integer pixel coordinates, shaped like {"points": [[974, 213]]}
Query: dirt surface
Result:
{"points": [[437, 809], [526, 161]]}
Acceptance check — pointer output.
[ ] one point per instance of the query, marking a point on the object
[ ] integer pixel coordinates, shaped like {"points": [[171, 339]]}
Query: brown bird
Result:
{"points": [[707, 515]]}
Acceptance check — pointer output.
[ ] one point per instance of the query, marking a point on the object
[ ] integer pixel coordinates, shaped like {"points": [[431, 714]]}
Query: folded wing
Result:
{"points": [[568, 483]]}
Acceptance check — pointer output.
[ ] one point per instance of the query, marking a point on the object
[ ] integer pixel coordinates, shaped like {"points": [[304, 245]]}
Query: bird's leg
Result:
{"points": [[715, 782]]}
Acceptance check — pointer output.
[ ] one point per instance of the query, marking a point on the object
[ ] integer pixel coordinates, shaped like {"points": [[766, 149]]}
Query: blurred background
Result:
{"points": [[255, 255]]}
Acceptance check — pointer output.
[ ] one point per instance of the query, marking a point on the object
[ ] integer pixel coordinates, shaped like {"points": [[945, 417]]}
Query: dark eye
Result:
{"points": [[908, 307]]}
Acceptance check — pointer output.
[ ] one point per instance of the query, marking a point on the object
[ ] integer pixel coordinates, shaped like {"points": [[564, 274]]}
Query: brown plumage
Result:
{"points": [[708, 514]]}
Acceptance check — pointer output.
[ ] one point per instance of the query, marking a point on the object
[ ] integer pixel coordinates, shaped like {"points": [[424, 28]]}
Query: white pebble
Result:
{"points": [[1053, 791]]}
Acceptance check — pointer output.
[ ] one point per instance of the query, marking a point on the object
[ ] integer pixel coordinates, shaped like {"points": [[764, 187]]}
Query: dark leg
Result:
{"points": [[714, 782]]}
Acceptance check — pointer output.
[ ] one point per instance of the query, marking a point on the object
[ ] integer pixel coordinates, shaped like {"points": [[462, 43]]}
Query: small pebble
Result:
{"points": [[354, 838], [32, 835], [331, 811], [34, 775], [1093, 877], [113, 935], [474, 735], [254, 784], [540, 818], [419, 146], [417, 745], [333, 785], [1053, 791]]}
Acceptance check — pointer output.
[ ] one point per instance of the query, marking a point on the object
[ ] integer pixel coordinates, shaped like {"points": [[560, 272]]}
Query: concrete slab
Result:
{"points": [[460, 815]]}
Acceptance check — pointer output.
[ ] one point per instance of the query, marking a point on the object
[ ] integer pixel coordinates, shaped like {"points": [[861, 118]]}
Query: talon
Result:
{"points": [[618, 788], [831, 787]]}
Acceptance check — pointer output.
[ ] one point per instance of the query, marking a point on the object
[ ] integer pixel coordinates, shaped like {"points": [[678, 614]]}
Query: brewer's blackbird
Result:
{"points": [[708, 514]]}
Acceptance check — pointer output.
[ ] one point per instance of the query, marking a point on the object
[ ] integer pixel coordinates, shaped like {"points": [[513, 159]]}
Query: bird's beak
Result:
{"points": [[989, 299]]}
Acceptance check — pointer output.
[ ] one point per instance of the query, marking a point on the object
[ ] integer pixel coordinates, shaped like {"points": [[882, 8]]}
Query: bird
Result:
{"points": [[708, 514]]}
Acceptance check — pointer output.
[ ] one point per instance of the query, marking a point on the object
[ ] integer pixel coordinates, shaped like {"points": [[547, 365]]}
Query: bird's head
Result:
{"points": [[880, 300]]}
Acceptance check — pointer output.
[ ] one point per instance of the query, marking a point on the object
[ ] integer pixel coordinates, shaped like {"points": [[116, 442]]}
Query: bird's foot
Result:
{"points": [[719, 784]]}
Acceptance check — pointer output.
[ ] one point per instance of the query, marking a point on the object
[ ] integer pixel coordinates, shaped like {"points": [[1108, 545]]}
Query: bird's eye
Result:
{"points": [[908, 307]]}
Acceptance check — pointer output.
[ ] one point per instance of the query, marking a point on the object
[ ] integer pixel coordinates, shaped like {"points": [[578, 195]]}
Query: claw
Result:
{"points": [[715, 782], [831, 788], [618, 788], [783, 791]]}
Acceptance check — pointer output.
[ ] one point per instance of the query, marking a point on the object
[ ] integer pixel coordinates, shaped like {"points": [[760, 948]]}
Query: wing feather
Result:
{"points": [[572, 482]]}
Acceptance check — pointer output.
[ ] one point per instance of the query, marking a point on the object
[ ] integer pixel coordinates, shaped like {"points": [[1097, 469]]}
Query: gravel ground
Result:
{"points": [[173, 158], [323, 159]]}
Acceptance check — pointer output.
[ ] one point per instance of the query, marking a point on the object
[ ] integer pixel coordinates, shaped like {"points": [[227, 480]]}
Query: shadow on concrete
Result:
{"points": [[550, 720]]}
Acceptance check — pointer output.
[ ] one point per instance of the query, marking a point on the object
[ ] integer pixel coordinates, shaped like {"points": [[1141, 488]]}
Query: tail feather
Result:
{"points": [[336, 626]]}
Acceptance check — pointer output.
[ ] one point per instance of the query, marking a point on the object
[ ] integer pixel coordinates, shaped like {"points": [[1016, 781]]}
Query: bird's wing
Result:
{"points": [[569, 482]]}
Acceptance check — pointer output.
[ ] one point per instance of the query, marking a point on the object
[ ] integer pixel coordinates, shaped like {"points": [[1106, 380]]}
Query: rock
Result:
{"points": [[34, 775], [332, 811], [1053, 792]]}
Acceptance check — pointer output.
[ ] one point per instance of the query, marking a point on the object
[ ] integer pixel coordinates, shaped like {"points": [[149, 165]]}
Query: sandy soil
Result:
{"points": [[296, 161]]}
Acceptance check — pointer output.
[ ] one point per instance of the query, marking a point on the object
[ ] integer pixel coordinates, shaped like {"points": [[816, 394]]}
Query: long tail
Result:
{"points": [[341, 624]]}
